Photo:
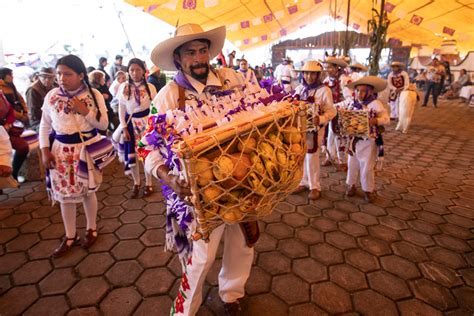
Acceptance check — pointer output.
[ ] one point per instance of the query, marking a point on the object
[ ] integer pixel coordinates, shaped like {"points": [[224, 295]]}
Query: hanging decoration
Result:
{"points": [[449, 31], [377, 28], [416, 19], [189, 4]]}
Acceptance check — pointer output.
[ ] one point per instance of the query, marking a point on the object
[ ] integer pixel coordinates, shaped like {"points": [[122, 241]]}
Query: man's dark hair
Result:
{"points": [[117, 57], [102, 59]]}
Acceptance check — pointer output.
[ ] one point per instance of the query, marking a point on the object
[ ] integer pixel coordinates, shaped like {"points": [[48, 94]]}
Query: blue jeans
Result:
{"points": [[433, 88]]}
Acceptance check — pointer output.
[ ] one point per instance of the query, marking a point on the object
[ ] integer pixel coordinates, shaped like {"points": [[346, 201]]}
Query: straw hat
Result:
{"points": [[359, 66], [311, 66], [154, 69], [46, 72], [336, 61], [377, 83], [162, 54], [397, 64]]}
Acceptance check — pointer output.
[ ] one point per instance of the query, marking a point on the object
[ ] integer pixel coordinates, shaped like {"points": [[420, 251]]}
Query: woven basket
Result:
{"points": [[238, 172], [354, 123]]}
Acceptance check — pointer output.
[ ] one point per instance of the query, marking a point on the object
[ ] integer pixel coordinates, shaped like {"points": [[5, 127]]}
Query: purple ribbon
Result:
{"points": [[64, 93]]}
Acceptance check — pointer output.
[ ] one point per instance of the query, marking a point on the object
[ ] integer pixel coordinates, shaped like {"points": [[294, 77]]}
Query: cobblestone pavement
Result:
{"points": [[409, 252]]}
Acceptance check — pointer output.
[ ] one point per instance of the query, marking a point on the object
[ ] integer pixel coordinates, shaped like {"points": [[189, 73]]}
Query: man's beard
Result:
{"points": [[202, 75]]}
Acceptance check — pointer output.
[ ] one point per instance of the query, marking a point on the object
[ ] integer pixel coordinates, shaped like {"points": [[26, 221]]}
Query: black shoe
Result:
{"points": [[232, 309], [423, 105]]}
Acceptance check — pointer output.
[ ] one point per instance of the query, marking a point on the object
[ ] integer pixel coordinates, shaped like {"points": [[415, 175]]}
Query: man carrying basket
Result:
{"points": [[363, 150], [189, 52]]}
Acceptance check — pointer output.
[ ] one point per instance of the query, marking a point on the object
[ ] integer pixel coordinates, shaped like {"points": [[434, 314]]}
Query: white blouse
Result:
{"points": [[58, 115], [128, 104]]}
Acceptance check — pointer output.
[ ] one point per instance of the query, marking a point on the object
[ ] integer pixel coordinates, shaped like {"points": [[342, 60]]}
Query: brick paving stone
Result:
{"points": [[393, 222], [59, 281], [388, 285], [384, 233], [158, 306], [45, 211], [462, 211], [154, 257], [440, 274], [212, 277], [121, 301], [326, 254], [414, 307], [293, 248], [108, 225], [265, 304], [34, 225], [111, 212], [468, 276], [53, 231], [464, 297], [104, 242], [353, 229], [413, 197], [435, 208], [452, 243], [7, 234], [374, 246], [373, 210], [11, 261], [134, 204], [341, 240], [297, 199], [308, 235], [175, 266], [153, 237], [400, 213], [22, 242], [31, 272], [5, 284], [459, 220], [154, 208], [265, 243], [409, 251], [417, 238], [368, 302], [408, 205], [456, 231], [331, 297], [346, 206], [124, 273], [274, 262], [311, 210], [362, 260], [336, 215], [284, 207], [447, 257], [71, 259], [430, 217], [295, 220], [127, 249], [130, 231], [258, 282], [15, 220], [347, 277], [154, 221], [290, 289], [310, 270], [114, 200], [88, 291], [274, 217], [324, 224], [433, 294], [17, 300], [468, 203], [95, 264], [279, 230], [400, 266], [424, 227], [306, 309], [44, 305], [147, 283]]}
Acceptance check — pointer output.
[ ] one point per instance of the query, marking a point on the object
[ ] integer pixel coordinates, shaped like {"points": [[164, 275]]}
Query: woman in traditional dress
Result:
{"points": [[72, 114], [134, 97]]}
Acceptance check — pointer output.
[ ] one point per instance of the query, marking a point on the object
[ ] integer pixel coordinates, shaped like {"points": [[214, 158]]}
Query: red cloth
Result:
{"points": [[7, 114]]}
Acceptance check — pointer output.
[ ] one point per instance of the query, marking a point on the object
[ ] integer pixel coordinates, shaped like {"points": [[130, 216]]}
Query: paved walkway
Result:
{"points": [[409, 252]]}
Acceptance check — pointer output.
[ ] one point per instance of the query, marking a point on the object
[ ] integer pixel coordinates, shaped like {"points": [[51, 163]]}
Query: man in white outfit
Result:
{"points": [[285, 74], [319, 97], [251, 81], [398, 81], [189, 52], [363, 151]]}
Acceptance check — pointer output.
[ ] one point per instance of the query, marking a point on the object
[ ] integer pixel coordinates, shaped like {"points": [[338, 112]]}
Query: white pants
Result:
{"points": [[406, 108], [333, 145], [363, 161], [236, 264], [394, 107], [311, 168]]}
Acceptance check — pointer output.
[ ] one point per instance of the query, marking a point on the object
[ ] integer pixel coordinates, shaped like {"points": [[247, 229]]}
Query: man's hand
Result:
{"points": [[179, 186], [5, 171], [79, 106], [49, 161], [373, 121]]}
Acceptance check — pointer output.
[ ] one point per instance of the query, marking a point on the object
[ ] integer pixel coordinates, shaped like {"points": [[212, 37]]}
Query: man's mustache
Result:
{"points": [[197, 66]]}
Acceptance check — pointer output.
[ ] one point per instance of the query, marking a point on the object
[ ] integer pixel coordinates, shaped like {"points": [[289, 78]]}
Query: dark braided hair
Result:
{"points": [[77, 65], [141, 64]]}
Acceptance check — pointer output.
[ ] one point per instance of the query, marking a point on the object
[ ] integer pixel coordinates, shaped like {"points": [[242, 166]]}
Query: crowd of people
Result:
{"points": [[84, 116]]}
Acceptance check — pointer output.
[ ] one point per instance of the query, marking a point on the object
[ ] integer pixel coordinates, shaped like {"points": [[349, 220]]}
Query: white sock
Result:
{"points": [[68, 211], [90, 208], [148, 179], [136, 174]]}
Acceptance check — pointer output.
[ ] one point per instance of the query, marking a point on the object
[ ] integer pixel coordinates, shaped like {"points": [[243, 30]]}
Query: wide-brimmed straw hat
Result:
{"points": [[311, 66], [336, 61], [162, 54], [397, 64], [377, 83], [359, 66]]}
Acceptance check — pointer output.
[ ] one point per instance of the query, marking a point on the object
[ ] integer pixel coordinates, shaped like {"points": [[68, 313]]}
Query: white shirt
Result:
{"points": [[5, 148], [167, 99], [128, 104], [58, 116], [285, 72], [323, 98], [399, 79]]}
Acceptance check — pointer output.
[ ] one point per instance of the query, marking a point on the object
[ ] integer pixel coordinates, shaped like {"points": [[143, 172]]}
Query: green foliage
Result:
{"points": [[377, 28]]}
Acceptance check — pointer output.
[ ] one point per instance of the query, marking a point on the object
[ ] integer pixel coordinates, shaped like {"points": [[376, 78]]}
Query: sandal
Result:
{"points": [[135, 190], [148, 190], [63, 247], [89, 238]]}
